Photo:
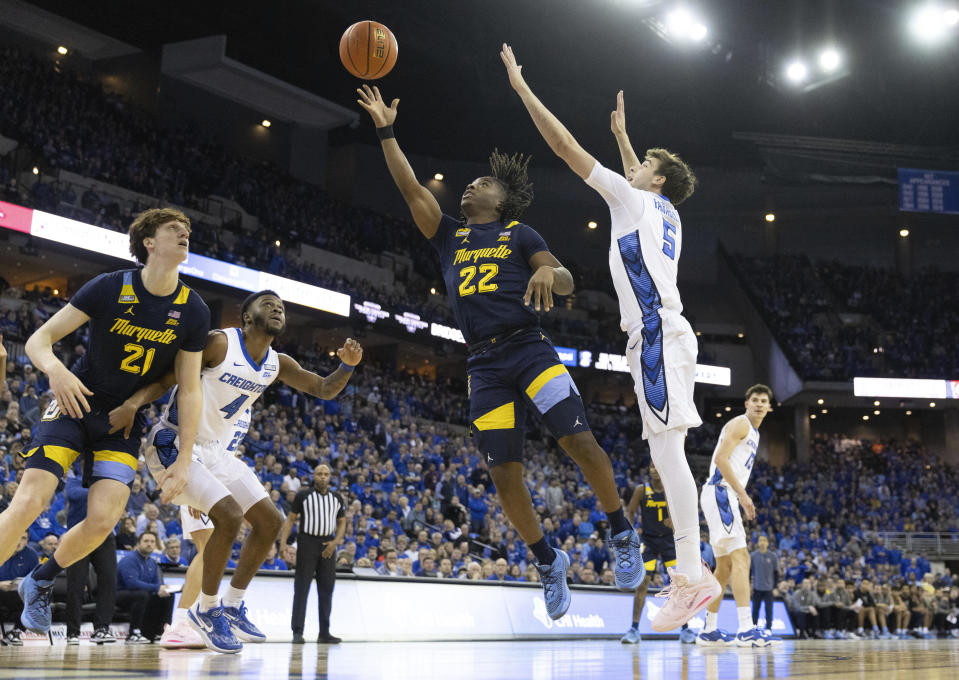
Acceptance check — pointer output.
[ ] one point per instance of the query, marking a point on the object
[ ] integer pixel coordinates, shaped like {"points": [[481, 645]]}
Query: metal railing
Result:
{"points": [[928, 544]]}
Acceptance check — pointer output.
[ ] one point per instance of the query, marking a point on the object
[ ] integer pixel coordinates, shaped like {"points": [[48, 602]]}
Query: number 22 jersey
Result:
{"points": [[134, 335], [486, 270]]}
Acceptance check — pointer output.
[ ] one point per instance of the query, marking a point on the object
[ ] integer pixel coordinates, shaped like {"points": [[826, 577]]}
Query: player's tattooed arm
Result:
{"points": [[316, 385], [617, 124]]}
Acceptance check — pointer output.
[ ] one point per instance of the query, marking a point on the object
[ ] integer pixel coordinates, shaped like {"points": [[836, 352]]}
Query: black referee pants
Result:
{"points": [[104, 560], [310, 564]]}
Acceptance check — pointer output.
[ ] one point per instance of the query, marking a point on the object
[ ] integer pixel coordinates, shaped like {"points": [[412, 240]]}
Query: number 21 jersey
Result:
{"points": [[134, 335]]}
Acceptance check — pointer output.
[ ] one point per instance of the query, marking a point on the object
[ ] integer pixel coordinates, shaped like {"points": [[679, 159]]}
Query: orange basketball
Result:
{"points": [[368, 50]]}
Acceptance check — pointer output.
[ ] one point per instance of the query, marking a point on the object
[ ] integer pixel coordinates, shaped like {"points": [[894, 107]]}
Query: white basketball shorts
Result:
{"points": [[721, 509], [662, 361]]}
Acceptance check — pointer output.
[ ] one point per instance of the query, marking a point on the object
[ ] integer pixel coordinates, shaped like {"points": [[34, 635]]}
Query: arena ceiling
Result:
{"points": [[456, 102]]}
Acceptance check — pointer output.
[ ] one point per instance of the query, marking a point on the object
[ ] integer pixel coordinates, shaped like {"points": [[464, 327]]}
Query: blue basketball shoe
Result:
{"points": [[628, 564], [35, 594], [214, 629], [752, 638], [715, 638], [555, 589], [242, 627]]}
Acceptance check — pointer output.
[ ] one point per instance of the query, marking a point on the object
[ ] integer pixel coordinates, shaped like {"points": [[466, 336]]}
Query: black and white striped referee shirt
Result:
{"points": [[318, 512]]}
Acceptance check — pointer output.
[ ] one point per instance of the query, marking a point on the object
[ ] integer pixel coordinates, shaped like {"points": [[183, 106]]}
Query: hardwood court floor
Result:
{"points": [[526, 660]]}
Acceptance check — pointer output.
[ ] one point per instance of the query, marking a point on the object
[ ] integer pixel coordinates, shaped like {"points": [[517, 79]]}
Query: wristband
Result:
{"points": [[385, 132], [344, 367]]}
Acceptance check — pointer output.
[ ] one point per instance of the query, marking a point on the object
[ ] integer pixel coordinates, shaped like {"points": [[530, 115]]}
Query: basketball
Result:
{"points": [[368, 50]]}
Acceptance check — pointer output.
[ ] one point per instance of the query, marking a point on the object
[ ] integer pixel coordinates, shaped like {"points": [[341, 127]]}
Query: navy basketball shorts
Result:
{"points": [[524, 372], [60, 440], [661, 548]]}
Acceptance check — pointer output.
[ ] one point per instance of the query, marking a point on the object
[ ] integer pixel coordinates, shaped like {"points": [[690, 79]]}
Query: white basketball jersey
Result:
{"points": [[647, 238], [741, 459], [229, 391]]}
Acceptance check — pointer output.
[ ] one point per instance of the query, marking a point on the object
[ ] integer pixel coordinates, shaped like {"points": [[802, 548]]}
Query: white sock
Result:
{"points": [[179, 615], [711, 619], [207, 602], [669, 457], [745, 619], [233, 597]]}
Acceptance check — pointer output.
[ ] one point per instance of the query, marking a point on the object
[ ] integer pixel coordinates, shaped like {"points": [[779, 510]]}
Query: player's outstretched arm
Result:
{"points": [[316, 385], [736, 432], [617, 124], [71, 394], [560, 140], [423, 205]]}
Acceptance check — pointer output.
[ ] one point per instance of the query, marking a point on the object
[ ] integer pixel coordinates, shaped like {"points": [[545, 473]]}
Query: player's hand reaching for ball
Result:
{"points": [[350, 353], [513, 70], [540, 289], [371, 100], [617, 119], [71, 394]]}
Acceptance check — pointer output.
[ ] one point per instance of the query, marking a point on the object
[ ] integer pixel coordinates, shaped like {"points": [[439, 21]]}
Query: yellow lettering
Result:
{"points": [[124, 327], [464, 255]]}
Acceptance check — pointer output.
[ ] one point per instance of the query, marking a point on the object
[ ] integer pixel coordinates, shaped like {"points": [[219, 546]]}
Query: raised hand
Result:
{"points": [[513, 70], [350, 353], [371, 100], [617, 119]]}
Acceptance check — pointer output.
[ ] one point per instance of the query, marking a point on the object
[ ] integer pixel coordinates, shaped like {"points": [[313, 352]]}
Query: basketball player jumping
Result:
{"points": [[661, 349], [132, 343], [494, 268], [721, 499], [238, 366]]}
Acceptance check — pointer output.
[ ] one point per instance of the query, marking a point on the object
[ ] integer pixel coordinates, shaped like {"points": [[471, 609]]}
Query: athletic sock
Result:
{"points": [[208, 602], [543, 552], [745, 619], [233, 597], [688, 558], [618, 522], [635, 625], [179, 616], [711, 618], [48, 570]]}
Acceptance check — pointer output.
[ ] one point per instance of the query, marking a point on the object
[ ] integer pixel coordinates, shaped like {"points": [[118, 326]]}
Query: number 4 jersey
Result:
{"points": [[134, 335], [229, 390]]}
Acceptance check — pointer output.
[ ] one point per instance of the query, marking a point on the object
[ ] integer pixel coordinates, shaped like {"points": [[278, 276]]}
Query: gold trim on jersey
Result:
{"points": [[182, 297], [116, 457], [61, 455]]}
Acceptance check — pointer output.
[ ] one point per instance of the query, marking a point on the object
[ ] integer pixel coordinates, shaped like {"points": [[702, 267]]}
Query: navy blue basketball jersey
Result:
{"points": [[486, 269], [134, 336], [654, 512]]}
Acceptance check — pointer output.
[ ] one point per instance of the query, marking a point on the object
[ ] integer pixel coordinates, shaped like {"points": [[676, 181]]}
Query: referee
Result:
{"points": [[322, 524]]}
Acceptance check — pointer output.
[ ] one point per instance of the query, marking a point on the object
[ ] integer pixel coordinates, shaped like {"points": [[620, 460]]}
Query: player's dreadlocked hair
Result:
{"points": [[510, 172]]}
